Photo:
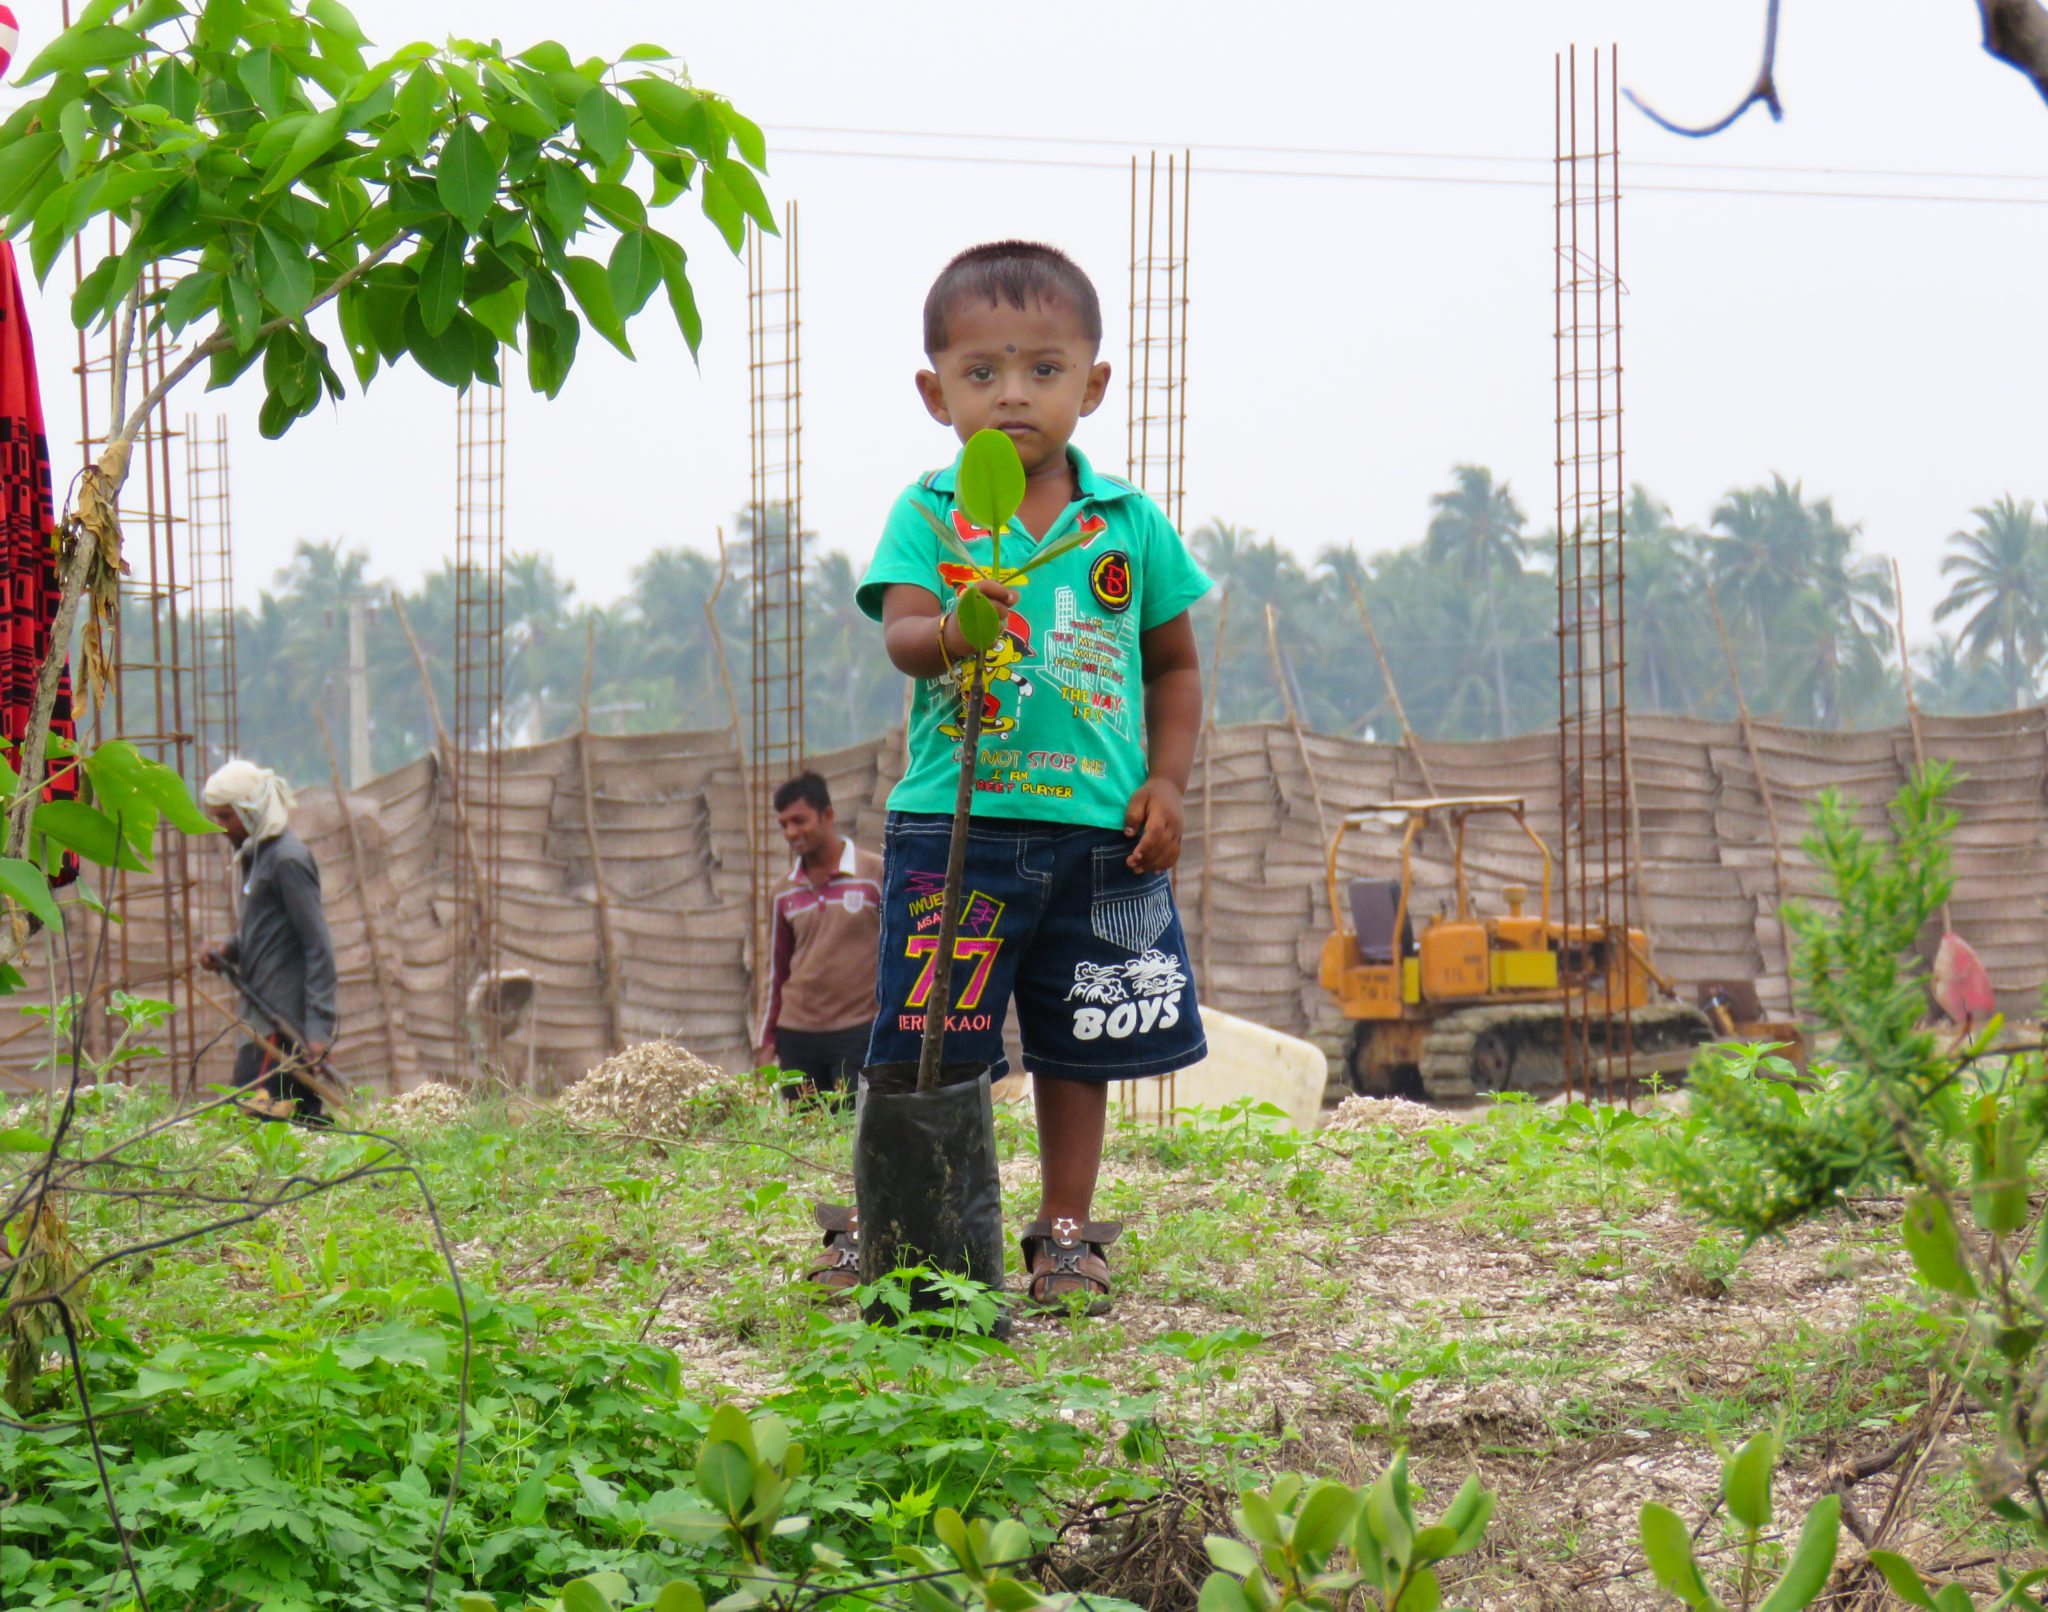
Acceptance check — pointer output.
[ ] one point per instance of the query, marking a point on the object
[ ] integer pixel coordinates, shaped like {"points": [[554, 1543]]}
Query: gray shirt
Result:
{"points": [[282, 949]]}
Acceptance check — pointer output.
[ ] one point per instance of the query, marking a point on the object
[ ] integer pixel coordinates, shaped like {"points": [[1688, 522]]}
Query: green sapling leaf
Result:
{"points": [[979, 623], [1935, 1245], [1813, 1559], [1746, 1482], [1668, 1548], [990, 480]]}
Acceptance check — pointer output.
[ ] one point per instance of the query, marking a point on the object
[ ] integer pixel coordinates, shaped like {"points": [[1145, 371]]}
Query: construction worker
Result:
{"points": [[281, 955]]}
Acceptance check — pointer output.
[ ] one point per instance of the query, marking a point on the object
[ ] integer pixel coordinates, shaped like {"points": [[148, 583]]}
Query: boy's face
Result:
{"points": [[1029, 372]]}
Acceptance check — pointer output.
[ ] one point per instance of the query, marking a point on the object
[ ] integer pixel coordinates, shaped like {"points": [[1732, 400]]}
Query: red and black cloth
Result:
{"points": [[28, 560]]}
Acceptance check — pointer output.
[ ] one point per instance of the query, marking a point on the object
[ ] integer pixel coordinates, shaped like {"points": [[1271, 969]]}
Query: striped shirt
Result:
{"points": [[826, 936]]}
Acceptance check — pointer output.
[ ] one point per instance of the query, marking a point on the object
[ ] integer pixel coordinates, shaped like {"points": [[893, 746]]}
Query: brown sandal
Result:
{"points": [[1067, 1259], [837, 1267]]}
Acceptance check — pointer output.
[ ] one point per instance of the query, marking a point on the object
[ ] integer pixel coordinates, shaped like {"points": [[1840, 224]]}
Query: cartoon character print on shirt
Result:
{"points": [[1121, 1000], [1011, 650]]}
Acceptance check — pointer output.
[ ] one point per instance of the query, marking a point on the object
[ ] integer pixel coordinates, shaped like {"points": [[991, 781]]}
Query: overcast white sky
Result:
{"points": [[1351, 338]]}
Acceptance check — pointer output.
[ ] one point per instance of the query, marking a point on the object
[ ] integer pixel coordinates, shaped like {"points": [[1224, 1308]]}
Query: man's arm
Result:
{"points": [[1173, 724], [778, 975], [298, 888]]}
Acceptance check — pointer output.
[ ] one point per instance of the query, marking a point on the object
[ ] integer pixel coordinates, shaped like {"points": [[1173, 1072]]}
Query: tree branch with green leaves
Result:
{"points": [[248, 165]]}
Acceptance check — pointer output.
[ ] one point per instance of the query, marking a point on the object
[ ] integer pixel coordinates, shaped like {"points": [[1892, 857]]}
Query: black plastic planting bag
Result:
{"points": [[925, 1178]]}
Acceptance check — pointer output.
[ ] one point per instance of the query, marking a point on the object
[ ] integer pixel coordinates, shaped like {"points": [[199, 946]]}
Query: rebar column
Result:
{"points": [[1156, 368], [775, 557], [475, 755], [1596, 849]]}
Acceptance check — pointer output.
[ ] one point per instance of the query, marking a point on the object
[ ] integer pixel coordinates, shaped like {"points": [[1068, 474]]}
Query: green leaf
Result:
{"points": [[1903, 1578], [723, 208], [565, 198], [601, 124], [1232, 1555], [1668, 1548], [267, 76], [81, 47], [746, 134], [746, 190], [315, 136], [88, 831], [682, 300], [441, 281], [1998, 1184], [671, 111], [24, 881], [1746, 1482], [465, 177], [990, 480], [1813, 1559], [1222, 1593], [120, 772], [23, 162], [1954, 1598], [1935, 1245], [1323, 1516], [1423, 1594], [1384, 1515], [333, 15], [634, 273], [499, 311], [725, 1476], [414, 109], [592, 286], [678, 1596], [1468, 1513], [979, 623], [449, 356], [17, 1140], [582, 1595], [283, 270]]}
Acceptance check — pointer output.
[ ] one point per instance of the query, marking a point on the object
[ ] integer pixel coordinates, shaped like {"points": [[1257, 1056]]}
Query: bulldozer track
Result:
{"points": [[1520, 1046]]}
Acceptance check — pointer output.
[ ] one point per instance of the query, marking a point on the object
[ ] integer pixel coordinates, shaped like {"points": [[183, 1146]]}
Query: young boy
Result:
{"points": [[1094, 701]]}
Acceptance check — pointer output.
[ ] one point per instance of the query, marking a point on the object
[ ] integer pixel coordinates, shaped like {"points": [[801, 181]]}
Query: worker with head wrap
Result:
{"points": [[280, 951]]}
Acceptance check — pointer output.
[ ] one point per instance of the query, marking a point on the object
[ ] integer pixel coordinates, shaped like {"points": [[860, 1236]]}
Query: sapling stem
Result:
{"points": [[939, 1000]]}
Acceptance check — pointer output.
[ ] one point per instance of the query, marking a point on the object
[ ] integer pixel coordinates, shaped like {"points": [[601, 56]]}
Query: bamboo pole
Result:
{"points": [[445, 754], [1912, 700], [608, 950], [1408, 736], [1763, 785], [1315, 788], [361, 869]]}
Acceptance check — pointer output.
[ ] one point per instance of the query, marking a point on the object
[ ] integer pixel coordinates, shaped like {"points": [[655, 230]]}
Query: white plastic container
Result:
{"points": [[1245, 1060]]}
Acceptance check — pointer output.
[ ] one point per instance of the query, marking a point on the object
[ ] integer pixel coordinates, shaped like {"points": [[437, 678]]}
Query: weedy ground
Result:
{"points": [[1508, 1292]]}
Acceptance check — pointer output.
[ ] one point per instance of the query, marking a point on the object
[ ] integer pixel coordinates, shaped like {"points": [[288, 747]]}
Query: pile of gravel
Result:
{"points": [[1357, 1113], [656, 1089], [425, 1107]]}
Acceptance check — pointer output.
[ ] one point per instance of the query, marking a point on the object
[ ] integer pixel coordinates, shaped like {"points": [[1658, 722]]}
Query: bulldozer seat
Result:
{"points": [[1373, 905]]}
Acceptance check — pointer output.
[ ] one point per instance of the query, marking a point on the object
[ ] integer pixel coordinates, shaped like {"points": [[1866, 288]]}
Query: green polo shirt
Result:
{"points": [[1064, 734]]}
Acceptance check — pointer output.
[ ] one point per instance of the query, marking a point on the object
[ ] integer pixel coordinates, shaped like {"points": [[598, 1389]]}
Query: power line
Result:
{"points": [[1400, 155], [1481, 181]]}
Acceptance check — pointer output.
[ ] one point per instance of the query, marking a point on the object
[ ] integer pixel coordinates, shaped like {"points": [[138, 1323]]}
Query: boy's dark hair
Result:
{"points": [[1016, 272], [807, 787]]}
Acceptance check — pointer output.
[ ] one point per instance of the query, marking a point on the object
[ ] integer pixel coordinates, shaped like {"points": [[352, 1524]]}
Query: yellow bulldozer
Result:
{"points": [[1486, 1003]]}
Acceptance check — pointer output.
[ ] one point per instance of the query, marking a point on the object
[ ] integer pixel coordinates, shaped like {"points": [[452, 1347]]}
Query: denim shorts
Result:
{"points": [[1092, 952]]}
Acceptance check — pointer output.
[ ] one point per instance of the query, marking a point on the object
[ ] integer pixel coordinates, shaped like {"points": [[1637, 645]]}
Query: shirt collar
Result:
{"points": [[847, 866], [1091, 484]]}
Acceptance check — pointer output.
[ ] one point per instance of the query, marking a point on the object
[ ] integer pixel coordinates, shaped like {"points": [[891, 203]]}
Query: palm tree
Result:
{"points": [[1671, 648], [1771, 551], [1477, 531], [2001, 572], [1954, 683]]}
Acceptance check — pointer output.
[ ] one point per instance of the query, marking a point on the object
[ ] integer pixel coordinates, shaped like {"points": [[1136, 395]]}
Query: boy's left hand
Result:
{"points": [[1154, 819]]}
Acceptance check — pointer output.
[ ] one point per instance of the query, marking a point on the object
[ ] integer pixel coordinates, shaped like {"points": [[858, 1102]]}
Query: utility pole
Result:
{"points": [[358, 692]]}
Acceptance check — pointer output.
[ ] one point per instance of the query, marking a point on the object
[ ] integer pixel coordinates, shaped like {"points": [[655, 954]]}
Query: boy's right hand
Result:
{"points": [[957, 646]]}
